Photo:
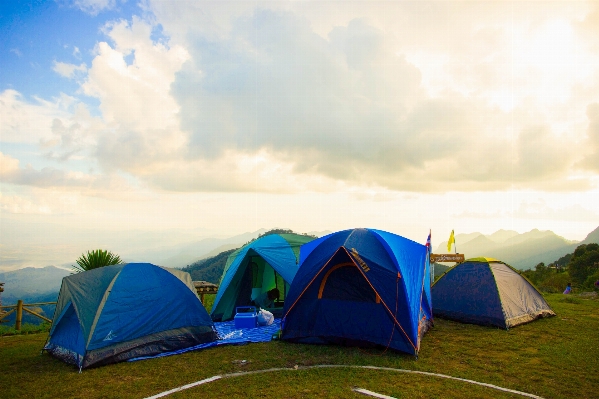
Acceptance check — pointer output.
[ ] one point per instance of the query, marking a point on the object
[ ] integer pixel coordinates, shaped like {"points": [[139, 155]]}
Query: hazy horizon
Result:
{"points": [[150, 248]]}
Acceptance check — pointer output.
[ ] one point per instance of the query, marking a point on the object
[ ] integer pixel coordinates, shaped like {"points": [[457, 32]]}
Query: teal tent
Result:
{"points": [[263, 264], [119, 312]]}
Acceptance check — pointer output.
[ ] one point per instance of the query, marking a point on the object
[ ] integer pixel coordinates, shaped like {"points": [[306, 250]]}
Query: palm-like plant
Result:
{"points": [[95, 259]]}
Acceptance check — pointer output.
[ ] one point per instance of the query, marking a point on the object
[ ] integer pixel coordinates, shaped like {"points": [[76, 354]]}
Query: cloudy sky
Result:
{"points": [[189, 119]]}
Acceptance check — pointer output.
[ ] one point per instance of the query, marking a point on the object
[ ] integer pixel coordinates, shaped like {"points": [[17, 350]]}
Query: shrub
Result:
{"points": [[555, 283], [95, 259]]}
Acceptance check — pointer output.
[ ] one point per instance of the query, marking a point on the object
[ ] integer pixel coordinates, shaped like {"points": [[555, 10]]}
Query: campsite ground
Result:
{"points": [[551, 358]]}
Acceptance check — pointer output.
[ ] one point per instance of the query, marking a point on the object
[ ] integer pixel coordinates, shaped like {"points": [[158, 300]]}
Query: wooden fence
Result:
{"points": [[19, 308], [202, 287]]}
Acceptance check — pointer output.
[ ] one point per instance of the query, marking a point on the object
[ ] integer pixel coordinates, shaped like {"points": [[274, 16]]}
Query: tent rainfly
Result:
{"points": [[360, 287], [119, 312], [257, 267], [489, 292]]}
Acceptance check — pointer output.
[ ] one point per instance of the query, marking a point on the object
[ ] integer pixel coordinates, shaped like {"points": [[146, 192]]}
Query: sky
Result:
{"points": [[126, 123]]}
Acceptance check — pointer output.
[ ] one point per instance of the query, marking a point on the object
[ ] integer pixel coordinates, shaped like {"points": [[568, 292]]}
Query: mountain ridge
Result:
{"points": [[522, 251]]}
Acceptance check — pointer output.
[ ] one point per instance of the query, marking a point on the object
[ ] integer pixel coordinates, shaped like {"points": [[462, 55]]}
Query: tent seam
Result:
{"points": [[100, 308]]}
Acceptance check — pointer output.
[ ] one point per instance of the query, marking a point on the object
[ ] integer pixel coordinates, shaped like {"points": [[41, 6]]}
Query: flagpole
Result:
{"points": [[430, 251]]}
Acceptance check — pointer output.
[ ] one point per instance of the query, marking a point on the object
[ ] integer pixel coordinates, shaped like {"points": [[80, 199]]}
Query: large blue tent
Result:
{"points": [[269, 262], [118, 312], [360, 287]]}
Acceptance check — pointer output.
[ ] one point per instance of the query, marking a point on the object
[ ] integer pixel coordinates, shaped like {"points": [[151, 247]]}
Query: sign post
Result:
{"points": [[447, 258]]}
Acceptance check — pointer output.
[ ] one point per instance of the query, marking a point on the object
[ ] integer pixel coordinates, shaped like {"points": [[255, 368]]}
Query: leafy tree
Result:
{"points": [[538, 275], [584, 263], [95, 259]]}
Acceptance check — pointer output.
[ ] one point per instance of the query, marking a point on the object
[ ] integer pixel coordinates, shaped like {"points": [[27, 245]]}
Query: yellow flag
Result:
{"points": [[451, 241]]}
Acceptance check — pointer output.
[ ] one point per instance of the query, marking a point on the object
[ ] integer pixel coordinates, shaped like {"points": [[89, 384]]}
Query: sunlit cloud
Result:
{"points": [[69, 70]]}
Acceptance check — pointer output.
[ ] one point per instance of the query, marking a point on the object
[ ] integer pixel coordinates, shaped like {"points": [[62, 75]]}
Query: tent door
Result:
{"points": [[345, 282]]}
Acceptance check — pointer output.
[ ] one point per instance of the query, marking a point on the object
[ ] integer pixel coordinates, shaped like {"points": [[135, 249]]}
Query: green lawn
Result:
{"points": [[552, 358]]}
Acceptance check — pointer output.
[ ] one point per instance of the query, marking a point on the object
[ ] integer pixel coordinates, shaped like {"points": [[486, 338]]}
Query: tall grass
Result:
{"points": [[25, 329]]}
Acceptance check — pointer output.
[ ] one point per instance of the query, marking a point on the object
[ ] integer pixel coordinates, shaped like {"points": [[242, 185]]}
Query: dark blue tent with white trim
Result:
{"points": [[118, 312], [360, 287], [488, 292], [269, 262]]}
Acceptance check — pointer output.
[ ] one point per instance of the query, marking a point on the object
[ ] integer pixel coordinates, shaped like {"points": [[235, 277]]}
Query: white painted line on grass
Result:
{"points": [[243, 373], [184, 387], [373, 394]]}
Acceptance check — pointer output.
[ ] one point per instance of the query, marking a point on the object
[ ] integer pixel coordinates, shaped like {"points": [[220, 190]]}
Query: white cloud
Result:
{"points": [[93, 7], [18, 204], [69, 70], [386, 96], [351, 107], [136, 96], [67, 181], [8, 165], [29, 122]]}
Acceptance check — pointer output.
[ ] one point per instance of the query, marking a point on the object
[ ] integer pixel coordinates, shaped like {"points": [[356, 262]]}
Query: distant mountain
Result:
{"points": [[190, 253], [185, 254], [527, 254], [32, 281], [522, 251], [32, 285], [593, 237], [209, 269], [481, 244], [502, 235]]}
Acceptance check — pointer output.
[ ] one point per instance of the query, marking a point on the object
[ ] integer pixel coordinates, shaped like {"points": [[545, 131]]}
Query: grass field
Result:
{"points": [[552, 358]]}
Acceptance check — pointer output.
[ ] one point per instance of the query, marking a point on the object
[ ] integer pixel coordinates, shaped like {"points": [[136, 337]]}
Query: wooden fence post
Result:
{"points": [[19, 315]]}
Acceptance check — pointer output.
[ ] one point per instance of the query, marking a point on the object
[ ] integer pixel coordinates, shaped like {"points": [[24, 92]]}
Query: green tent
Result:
{"points": [[266, 263]]}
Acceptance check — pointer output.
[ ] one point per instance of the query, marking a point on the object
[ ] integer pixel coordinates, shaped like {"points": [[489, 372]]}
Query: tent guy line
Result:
{"points": [[426, 373]]}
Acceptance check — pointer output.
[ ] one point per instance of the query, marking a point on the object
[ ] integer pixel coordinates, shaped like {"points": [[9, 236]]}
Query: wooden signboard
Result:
{"points": [[447, 258]]}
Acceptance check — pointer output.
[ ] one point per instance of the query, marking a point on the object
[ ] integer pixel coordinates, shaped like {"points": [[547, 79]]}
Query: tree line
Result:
{"points": [[580, 268]]}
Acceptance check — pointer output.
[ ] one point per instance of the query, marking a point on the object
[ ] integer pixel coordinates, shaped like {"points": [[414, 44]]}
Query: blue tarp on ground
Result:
{"points": [[229, 335]]}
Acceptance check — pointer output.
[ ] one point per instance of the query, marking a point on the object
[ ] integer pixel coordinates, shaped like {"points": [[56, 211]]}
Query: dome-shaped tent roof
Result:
{"points": [[360, 287], [274, 259], [487, 291], [118, 312]]}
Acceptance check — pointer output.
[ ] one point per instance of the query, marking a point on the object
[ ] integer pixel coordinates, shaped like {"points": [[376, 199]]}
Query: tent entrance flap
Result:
{"points": [[344, 282], [264, 277]]}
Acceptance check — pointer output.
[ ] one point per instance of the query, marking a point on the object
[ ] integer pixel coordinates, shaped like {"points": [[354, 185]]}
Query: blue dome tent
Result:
{"points": [[118, 312], [269, 262], [360, 287], [488, 292]]}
